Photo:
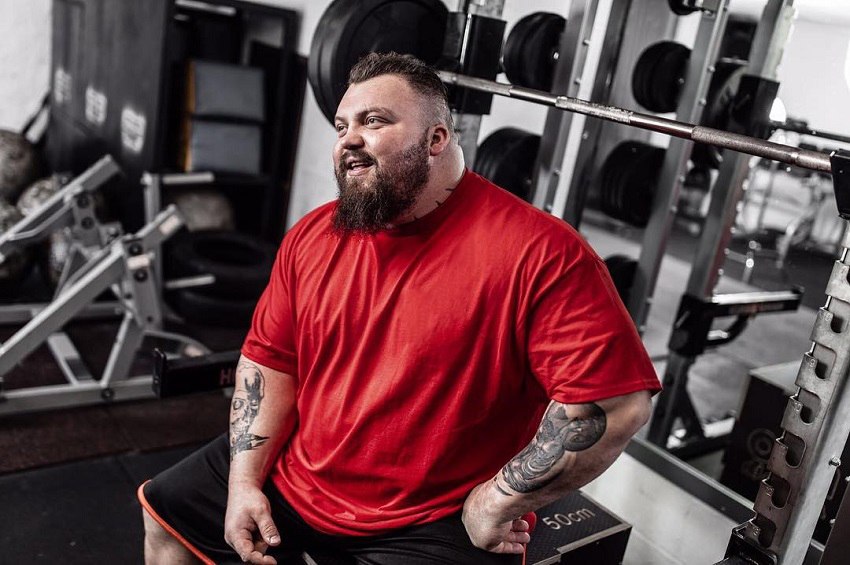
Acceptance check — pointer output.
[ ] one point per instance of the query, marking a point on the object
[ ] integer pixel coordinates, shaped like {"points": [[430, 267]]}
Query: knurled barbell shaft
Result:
{"points": [[788, 154]]}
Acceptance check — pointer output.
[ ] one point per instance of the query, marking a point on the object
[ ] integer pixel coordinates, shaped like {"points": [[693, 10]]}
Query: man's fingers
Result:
{"points": [[258, 558], [243, 545], [268, 530], [520, 525], [509, 547], [518, 537]]}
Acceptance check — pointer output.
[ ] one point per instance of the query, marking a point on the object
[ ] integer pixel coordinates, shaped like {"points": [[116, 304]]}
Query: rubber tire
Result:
{"points": [[199, 308], [241, 263]]}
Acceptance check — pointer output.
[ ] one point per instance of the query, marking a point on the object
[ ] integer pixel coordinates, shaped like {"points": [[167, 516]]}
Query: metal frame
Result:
{"points": [[124, 266], [579, 177], [771, 35], [816, 425], [825, 368], [691, 104], [567, 80]]}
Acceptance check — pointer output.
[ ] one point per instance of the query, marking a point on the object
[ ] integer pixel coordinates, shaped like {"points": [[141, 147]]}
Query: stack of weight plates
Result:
{"points": [[628, 181]]}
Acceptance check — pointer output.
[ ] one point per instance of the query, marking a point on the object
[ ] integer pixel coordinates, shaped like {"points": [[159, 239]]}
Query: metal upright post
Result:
{"points": [[771, 35], [691, 104], [567, 81], [768, 45], [816, 421], [578, 181]]}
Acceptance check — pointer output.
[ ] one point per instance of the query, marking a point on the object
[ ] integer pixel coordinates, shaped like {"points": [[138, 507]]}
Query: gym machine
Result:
{"points": [[103, 260]]}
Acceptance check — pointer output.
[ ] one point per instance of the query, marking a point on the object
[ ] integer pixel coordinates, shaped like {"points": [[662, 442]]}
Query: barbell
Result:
{"points": [[790, 155]]}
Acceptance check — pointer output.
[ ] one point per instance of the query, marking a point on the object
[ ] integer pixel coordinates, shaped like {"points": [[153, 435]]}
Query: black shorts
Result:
{"points": [[190, 500]]}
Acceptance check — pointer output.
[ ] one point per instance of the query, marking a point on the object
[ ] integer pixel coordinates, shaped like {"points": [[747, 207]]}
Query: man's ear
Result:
{"points": [[439, 139]]}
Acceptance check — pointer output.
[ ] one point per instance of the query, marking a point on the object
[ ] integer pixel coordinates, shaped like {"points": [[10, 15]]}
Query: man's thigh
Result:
{"points": [[442, 542], [191, 497]]}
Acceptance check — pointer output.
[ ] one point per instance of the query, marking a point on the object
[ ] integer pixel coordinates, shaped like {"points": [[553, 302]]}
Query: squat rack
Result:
{"points": [[816, 421]]}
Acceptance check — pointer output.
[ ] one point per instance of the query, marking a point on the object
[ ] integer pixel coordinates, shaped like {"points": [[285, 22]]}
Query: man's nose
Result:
{"points": [[351, 139]]}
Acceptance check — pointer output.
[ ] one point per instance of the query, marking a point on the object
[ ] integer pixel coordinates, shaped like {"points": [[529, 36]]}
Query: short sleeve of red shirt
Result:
{"points": [[271, 339], [582, 344]]}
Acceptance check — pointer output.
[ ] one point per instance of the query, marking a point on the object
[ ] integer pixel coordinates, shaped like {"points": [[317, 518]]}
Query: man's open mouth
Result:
{"points": [[358, 166]]}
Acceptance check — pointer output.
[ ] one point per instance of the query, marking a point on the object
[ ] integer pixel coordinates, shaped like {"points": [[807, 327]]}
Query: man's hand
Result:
{"points": [[248, 526], [486, 529]]}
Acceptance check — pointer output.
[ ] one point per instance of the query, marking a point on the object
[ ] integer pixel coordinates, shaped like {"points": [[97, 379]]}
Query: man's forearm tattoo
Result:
{"points": [[574, 427], [247, 397]]}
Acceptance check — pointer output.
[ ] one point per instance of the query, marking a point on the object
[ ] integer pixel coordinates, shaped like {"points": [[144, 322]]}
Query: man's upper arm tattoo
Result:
{"points": [[247, 396], [573, 427]]}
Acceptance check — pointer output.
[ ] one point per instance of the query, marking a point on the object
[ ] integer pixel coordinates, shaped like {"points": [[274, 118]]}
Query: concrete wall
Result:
{"points": [[24, 59]]}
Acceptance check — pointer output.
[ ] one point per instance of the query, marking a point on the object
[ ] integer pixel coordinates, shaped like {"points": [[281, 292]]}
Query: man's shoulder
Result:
{"points": [[511, 215], [316, 221]]}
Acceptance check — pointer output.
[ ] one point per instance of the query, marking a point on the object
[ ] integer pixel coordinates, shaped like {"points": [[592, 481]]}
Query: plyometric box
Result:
{"points": [[576, 529]]}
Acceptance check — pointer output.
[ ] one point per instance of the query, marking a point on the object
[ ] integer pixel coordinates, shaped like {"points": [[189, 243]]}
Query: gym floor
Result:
{"points": [[67, 494]]}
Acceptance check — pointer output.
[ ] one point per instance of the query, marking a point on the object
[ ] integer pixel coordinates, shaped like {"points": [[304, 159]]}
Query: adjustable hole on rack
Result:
{"points": [[767, 530], [811, 406], [796, 449], [837, 324], [781, 490], [823, 365]]}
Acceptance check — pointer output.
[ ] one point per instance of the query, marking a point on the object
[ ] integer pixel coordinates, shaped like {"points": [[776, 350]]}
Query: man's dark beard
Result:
{"points": [[394, 189]]}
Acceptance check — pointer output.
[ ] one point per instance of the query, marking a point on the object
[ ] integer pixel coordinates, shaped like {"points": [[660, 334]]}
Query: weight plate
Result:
{"points": [[641, 186], [531, 50], [628, 181], [659, 74], [506, 157], [622, 270], [613, 169], [349, 29], [512, 52], [721, 92]]}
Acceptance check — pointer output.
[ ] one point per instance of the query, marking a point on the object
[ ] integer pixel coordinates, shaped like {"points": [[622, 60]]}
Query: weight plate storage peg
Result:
{"points": [[683, 7], [506, 157], [349, 29], [531, 50]]}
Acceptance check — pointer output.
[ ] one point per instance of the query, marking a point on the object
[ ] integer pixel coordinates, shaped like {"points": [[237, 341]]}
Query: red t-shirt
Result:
{"points": [[426, 354]]}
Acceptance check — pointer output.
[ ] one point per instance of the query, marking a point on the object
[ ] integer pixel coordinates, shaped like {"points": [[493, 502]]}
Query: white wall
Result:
{"points": [[813, 81], [24, 59]]}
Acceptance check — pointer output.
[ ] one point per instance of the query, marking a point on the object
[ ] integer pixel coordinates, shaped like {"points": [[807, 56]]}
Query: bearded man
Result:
{"points": [[433, 358]]}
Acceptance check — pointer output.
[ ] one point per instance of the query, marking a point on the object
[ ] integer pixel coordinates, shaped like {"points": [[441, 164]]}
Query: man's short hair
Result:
{"points": [[421, 77]]}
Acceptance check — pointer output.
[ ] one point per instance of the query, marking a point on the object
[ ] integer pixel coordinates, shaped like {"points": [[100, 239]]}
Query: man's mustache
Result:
{"points": [[357, 155]]}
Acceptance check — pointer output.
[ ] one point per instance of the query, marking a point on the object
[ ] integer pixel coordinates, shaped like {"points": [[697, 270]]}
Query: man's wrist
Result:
{"points": [[502, 501], [243, 482]]}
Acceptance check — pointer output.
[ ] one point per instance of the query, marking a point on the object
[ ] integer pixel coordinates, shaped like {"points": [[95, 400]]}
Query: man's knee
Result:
{"points": [[161, 546]]}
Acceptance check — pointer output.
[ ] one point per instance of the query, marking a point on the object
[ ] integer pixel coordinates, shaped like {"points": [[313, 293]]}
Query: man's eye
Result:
{"points": [[373, 120], [340, 128]]}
